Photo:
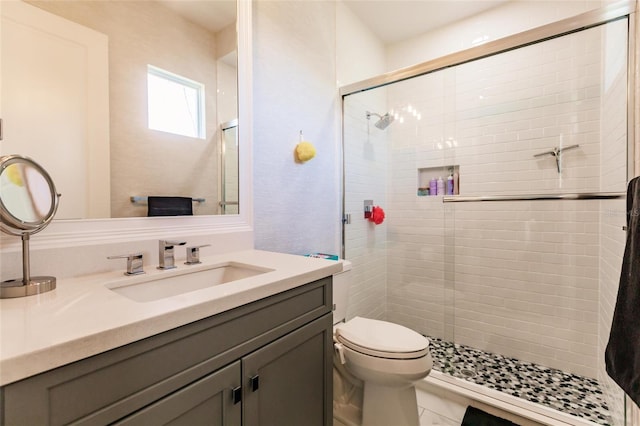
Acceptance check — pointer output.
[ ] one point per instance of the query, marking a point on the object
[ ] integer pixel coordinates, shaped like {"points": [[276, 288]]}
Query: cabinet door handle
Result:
{"points": [[237, 394], [254, 382]]}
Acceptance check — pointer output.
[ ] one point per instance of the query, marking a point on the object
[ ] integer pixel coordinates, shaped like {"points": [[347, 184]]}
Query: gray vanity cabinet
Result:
{"points": [[284, 385], [209, 401], [265, 363]]}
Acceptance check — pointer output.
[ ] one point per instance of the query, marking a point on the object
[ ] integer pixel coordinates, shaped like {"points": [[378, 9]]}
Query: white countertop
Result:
{"points": [[82, 317]]}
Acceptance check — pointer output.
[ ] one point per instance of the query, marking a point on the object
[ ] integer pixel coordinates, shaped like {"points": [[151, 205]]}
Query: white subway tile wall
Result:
{"points": [[523, 278], [365, 152]]}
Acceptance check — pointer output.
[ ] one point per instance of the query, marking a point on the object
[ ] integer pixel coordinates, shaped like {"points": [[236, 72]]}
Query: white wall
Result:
{"points": [[510, 18], [359, 55], [298, 65], [296, 207], [365, 179]]}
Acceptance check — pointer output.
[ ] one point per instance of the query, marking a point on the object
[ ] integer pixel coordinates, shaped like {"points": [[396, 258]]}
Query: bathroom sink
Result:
{"points": [[150, 288]]}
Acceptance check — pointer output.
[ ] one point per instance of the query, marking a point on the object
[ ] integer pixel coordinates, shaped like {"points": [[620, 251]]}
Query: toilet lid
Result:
{"points": [[382, 339]]}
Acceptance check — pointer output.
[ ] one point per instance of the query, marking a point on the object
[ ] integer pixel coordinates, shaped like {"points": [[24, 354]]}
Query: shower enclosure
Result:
{"points": [[229, 190], [514, 277]]}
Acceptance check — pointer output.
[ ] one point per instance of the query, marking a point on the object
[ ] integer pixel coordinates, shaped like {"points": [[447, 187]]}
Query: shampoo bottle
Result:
{"points": [[433, 187], [456, 183], [440, 186], [450, 183]]}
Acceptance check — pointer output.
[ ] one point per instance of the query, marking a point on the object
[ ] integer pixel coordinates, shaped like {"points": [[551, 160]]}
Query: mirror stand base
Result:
{"points": [[17, 288]]}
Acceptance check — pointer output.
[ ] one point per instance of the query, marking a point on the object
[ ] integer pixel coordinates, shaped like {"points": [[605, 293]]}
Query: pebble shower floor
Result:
{"points": [[565, 392]]}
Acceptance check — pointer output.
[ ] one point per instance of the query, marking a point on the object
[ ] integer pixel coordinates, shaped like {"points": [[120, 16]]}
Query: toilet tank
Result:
{"points": [[341, 284]]}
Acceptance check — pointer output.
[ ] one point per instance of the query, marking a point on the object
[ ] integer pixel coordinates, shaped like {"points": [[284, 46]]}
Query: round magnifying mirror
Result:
{"points": [[28, 199], [28, 203]]}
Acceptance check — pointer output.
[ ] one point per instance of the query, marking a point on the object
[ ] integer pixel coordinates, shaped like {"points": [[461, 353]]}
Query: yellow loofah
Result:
{"points": [[305, 151], [14, 175]]}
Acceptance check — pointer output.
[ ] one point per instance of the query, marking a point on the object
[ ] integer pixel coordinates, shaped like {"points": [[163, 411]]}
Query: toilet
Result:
{"points": [[376, 365]]}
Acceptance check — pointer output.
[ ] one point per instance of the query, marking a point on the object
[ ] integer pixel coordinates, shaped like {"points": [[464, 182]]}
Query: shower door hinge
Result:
{"points": [[346, 219]]}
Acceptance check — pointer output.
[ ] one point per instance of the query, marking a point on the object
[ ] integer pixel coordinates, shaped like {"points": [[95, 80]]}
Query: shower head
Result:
{"points": [[384, 120]]}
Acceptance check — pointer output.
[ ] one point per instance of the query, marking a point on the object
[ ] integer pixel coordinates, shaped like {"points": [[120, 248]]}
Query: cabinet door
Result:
{"points": [[288, 382], [209, 401]]}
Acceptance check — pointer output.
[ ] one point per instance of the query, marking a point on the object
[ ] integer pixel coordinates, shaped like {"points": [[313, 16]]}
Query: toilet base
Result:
{"points": [[384, 406]]}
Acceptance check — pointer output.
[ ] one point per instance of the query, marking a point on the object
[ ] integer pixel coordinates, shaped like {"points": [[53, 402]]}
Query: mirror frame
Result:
{"points": [[65, 233]]}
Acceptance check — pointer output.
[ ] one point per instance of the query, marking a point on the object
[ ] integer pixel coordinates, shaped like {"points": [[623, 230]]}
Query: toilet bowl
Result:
{"points": [[379, 361]]}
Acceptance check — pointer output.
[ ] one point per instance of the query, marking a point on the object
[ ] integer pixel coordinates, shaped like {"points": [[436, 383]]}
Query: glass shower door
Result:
{"points": [[229, 168], [365, 186], [399, 269], [534, 278]]}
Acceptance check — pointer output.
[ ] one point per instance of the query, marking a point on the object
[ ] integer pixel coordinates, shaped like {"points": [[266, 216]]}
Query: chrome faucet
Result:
{"points": [[166, 254]]}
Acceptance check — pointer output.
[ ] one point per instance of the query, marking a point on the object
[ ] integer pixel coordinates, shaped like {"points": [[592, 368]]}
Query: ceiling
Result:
{"points": [[390, 20], [213, 15], [396, 20]]}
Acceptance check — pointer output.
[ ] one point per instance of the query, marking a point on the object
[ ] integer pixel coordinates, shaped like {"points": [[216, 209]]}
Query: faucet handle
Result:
{"points": [[134, 263], [193, 254]]}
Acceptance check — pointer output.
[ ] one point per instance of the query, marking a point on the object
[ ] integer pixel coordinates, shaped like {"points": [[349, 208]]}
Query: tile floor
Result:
{"points": [[569, 393], [439, 413]]}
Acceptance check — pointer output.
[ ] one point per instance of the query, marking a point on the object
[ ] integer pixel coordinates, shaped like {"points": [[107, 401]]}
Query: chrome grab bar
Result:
{"points": [[530, 197]]}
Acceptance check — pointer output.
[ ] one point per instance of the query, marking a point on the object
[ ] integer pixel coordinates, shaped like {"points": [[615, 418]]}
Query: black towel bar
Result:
{"points": [[143, 200]]}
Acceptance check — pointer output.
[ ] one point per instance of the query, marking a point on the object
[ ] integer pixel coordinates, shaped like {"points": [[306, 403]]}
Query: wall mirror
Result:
{"points": [[121, 100], [86, 210]]}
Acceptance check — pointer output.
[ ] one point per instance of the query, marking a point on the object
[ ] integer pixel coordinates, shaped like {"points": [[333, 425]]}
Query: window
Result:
{"points": [[175, 103]]}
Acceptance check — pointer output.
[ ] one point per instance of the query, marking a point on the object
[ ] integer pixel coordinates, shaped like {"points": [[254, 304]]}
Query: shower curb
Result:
{"points": [[510, 404]]}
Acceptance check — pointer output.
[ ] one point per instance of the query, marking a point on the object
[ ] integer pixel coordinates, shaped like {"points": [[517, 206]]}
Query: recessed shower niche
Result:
{"points": [[429, 177]]}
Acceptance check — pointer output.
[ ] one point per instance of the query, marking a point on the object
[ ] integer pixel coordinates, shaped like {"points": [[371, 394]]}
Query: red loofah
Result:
{"points": [[377, 215]]}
